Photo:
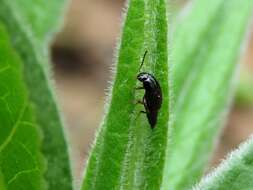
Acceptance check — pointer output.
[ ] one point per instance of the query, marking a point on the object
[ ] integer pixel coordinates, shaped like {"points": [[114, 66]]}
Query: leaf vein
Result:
{"points": [[21, 173], [14, 129]]}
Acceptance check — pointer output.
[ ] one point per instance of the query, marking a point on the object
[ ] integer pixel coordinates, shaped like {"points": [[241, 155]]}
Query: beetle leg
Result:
{"points": [[143, 112], [139, 88], [140, 102]]}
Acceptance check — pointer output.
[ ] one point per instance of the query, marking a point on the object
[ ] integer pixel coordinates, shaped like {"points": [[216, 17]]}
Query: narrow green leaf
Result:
{"points": [[29, 23], [21, 164], [128, 154], [206, 48], [234, 173]]}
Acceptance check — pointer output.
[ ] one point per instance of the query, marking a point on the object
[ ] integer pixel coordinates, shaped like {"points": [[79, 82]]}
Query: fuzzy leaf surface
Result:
{"points": [[128, 154], [234, 173]]}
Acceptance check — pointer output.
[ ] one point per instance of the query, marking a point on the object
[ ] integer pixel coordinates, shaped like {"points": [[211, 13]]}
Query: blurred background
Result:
{"points": [[82, 54]]}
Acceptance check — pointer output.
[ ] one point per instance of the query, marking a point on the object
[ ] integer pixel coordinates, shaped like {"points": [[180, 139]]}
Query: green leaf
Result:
{"points": [[30, 24], [21, 164], [234, 173], [128, 154], [207, 45]]}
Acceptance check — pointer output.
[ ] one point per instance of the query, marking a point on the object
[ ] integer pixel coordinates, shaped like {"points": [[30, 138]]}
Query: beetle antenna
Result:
{"points": [[143, 60]]}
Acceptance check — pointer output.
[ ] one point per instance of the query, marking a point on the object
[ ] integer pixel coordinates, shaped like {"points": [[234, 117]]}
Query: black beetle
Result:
{"points": [[152, 99]]}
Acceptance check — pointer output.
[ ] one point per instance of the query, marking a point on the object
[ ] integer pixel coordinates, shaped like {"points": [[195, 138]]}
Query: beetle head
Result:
{"points": [[143, 77]]}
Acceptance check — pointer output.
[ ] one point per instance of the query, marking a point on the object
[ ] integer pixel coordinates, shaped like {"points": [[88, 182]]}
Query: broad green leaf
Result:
{"points": [[21, 164], [206, 48], [234, 173], [128, 154], [29, 24]]}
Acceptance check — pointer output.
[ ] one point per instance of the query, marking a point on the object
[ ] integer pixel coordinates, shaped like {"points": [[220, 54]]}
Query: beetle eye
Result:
{"points": [[142, 78]]}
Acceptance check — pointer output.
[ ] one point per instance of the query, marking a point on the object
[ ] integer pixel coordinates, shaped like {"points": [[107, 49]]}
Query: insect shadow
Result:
{"points": [[152, 99]]}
